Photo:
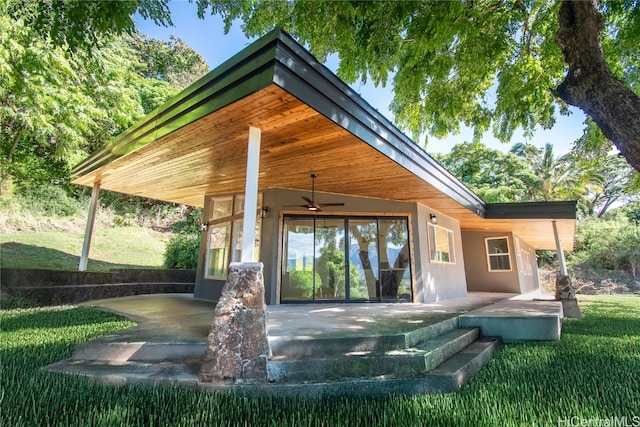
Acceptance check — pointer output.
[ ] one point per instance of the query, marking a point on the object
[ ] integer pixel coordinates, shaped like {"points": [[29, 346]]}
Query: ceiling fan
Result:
{"points": [[312, 205]]}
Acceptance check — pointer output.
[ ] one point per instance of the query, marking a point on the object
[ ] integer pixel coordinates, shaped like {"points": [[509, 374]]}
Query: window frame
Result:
{"points": [[432, 234], [233, 222], [490, 255]]}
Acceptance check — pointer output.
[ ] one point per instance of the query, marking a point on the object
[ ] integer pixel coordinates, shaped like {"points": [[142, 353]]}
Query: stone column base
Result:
{"points": [[238, 346], [566, 292]]}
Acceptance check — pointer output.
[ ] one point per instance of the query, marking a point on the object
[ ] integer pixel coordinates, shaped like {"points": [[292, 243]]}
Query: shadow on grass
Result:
{"points": [[20, 255]]}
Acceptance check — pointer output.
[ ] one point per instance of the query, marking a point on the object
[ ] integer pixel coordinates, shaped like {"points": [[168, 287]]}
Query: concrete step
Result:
{"points": [[282, 346], [449, 377], [517, 320], [138, 351], [390, 364], [184, 371]]}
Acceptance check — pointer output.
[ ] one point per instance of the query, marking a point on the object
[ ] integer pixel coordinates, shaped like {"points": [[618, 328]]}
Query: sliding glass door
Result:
{"points": [[333, 258]]}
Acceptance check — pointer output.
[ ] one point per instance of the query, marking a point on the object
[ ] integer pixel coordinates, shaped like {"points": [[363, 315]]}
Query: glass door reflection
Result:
{"points": [[363, 247], [298, 260], [330, 262]]}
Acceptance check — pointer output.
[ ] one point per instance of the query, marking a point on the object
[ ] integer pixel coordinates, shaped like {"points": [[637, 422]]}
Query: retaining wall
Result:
{"points": [[53, 287]]}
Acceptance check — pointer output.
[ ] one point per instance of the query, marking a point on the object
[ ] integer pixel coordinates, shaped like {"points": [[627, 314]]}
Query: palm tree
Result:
{"points": [[557, 178]]}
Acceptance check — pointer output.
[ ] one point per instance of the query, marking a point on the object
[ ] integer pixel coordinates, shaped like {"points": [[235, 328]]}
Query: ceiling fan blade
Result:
{"points": [[308, 200], [329, 204], [296, 206]]}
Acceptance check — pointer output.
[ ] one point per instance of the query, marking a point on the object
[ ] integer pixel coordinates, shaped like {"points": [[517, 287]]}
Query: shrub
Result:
{"points": [[49, 200], [182, 251]]}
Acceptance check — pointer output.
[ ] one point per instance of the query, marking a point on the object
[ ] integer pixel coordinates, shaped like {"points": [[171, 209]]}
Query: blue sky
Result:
{"points": [[208, 39]]}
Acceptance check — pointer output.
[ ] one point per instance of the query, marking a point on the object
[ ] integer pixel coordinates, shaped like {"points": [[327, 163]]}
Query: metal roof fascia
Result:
{"points": [[532, 210]]}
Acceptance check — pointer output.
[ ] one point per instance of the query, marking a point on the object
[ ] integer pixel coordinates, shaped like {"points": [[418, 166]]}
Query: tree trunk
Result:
{"points": [[590, 85]]}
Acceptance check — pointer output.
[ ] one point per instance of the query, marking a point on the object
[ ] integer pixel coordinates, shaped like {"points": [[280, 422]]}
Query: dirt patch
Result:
{"points": [[591, 281]]}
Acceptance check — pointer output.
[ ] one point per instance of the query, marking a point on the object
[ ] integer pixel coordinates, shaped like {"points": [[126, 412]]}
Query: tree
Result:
{"points": [[495, 176], [556, 177], [173, 62], [82, 25], [608, 180], [56, 107]]}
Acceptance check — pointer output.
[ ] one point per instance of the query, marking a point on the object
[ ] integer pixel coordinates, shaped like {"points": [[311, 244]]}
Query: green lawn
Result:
{"points": [[593, 373], [121, 247]]}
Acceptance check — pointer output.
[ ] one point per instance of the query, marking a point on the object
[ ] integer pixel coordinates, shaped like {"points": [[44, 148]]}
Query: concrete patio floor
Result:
{"points": [[182, 318]]}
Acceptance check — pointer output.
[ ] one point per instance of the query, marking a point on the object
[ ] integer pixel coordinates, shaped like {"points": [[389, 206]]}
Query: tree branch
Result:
{"points": [[15, 143], [590, 85]]}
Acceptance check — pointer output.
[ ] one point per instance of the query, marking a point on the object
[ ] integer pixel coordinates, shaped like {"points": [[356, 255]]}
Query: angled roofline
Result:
{"points": [[278, 59]]}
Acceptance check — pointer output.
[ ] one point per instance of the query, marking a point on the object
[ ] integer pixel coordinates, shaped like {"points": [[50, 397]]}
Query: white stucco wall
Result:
{"points": [[439, 281]]}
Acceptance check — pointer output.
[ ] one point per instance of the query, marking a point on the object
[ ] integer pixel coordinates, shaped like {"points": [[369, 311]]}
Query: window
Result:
{"points": [[224, 235], [440, 244], [498, 256], [217, 250]]}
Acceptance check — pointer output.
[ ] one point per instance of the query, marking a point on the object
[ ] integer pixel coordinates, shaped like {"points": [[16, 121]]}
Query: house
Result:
{"points": [[296, 170]]}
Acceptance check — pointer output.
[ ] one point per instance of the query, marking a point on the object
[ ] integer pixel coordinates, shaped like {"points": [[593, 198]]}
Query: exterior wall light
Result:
{"points": [[433, 218], [264, 212]]}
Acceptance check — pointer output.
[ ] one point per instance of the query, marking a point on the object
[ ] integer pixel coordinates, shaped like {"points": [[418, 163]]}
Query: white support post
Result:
{"points": [[561, 260], [251, 195], [88, 232]]}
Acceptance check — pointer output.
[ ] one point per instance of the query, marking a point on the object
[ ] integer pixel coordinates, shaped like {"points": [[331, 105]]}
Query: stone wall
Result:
{"points": [[53, 287]]}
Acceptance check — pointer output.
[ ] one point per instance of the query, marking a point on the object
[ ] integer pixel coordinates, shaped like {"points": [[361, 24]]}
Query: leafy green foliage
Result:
{"points": [[486, 64], [596, 363], [495, 176], [302, 281], [53, 108], [612, 244], [173, 62], [556, 176], [607, 180], [82, 25], [182, 251], [56, 107], [49, 200]]}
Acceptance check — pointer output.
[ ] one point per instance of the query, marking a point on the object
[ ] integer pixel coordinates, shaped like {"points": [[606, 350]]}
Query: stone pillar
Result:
{"points": [[238, 347], [566, 292]]}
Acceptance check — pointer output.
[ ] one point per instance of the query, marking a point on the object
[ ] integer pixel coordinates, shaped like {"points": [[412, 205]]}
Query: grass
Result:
{"points": [[592, 373], [120, 247]]}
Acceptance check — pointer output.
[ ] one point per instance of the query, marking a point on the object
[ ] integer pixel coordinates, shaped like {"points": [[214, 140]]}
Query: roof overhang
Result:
{"points": [[196, 143]]}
